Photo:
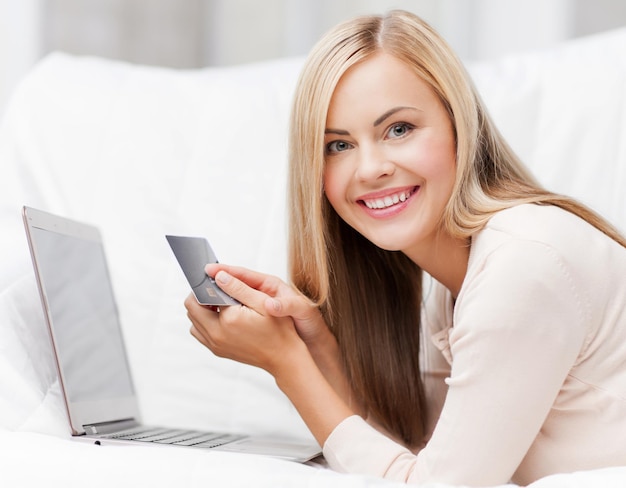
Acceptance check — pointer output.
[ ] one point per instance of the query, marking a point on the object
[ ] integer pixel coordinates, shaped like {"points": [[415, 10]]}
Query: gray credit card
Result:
{"points": [[193, 254]]}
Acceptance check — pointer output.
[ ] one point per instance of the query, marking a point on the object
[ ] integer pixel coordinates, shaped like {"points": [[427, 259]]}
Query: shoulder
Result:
{"points": [[529, 231], [519, 292], [540, 223], [547, 255], [529, 257], [524, 233]]}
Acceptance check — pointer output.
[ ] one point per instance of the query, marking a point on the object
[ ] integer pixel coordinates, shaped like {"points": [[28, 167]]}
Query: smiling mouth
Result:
{"points": [[389, 200]]}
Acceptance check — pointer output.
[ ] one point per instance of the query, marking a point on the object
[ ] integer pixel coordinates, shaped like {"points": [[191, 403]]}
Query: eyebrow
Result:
{"points": [[389, 113], [339, 132]]}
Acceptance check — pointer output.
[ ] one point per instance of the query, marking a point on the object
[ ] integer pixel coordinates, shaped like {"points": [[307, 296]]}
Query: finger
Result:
{"points": [[200, 314], [239, 290], [191, 303], [205, 326], [199, 336], [260, 281], [299, 307]]}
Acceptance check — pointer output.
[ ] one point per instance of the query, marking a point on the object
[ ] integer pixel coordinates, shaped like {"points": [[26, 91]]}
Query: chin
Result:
{"points": [[386, 245]]}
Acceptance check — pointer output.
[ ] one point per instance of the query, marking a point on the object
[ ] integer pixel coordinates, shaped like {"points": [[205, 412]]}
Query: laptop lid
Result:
{"points": [[82, 318]]}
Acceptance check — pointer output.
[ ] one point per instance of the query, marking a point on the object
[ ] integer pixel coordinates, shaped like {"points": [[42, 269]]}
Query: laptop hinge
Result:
{"points": [[108, 427]]}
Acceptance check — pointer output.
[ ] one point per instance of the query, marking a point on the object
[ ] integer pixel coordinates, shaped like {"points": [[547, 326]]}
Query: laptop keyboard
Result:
{"points": [[175, 437]]}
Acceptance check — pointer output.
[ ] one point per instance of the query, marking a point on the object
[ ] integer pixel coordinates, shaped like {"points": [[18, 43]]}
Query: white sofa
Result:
{"points": [[143, 151]]}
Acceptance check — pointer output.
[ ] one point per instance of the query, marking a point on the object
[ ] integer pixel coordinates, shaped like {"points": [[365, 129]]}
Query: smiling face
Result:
{"points": [[390, 155]]}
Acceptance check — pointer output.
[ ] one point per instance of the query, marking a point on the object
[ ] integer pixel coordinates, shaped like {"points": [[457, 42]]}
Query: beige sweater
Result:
{"points": [[533, 355]]}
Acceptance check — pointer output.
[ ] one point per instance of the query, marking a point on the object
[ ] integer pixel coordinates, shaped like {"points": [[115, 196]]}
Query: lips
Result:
{"points": [[382, 201]]}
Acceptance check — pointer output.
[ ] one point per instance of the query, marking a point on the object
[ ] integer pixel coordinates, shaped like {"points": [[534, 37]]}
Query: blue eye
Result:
{"points": [[399, 130], [337, 146]]}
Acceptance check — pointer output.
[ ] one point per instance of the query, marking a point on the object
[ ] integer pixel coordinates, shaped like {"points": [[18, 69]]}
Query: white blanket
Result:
{"points": [[141, 152]]}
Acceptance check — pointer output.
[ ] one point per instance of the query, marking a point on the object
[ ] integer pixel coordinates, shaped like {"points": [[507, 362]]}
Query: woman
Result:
{"points": [[505, 360]]}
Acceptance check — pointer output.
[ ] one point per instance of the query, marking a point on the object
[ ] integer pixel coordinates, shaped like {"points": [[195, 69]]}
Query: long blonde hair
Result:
{"points": [[370, 297]]}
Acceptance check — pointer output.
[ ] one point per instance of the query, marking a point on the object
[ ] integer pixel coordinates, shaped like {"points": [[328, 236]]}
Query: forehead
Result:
{"points": [[377, 83]]}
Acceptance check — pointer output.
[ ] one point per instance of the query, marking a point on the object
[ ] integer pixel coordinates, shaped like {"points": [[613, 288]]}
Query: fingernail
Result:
{"points": [[222, 277]]}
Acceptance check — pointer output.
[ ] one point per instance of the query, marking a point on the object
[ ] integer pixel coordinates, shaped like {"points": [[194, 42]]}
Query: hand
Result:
{"points": [[281, 300], [244, 333], [281, 331]]}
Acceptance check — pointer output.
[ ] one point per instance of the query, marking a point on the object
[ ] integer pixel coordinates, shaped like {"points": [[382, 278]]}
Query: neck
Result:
{"points": [[445, 258]]}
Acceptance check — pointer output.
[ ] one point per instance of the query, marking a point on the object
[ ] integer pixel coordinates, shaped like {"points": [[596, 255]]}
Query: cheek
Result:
{"points": [[448, 167], [444, 169], [334, 189], [440, 165]]}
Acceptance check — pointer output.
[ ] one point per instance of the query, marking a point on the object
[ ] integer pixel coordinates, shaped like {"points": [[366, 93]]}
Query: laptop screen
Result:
{"points": [[83, 316]]}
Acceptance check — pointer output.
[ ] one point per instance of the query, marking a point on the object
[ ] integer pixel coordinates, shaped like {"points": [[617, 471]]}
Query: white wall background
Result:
{"points": [[20, 42], [195, 33]]}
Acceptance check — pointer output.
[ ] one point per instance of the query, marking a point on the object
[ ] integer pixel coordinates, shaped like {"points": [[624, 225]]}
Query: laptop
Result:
{"points": [[81, 315]]}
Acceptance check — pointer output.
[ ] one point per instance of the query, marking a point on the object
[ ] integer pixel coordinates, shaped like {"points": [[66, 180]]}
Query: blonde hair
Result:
{"points": [[342, 271]]}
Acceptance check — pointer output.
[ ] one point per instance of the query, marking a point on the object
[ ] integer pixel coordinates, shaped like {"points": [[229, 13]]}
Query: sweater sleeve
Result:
{"points": [[519, 325]]}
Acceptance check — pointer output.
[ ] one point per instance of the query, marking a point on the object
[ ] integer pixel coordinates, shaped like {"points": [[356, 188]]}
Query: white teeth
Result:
{"points": [[388, 201]]}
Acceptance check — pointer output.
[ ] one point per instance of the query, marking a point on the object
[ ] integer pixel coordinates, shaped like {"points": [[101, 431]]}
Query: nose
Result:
{"points": [[373, 164]]}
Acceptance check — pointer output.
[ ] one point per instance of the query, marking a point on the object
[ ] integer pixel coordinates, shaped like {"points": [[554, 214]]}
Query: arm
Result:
{"points": [[248, 334], [518, 330], [282, 300], [320, 342]]}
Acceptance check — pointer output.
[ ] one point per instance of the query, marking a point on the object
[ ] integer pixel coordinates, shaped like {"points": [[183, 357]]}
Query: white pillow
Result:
{"points": [[30, 396]]}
